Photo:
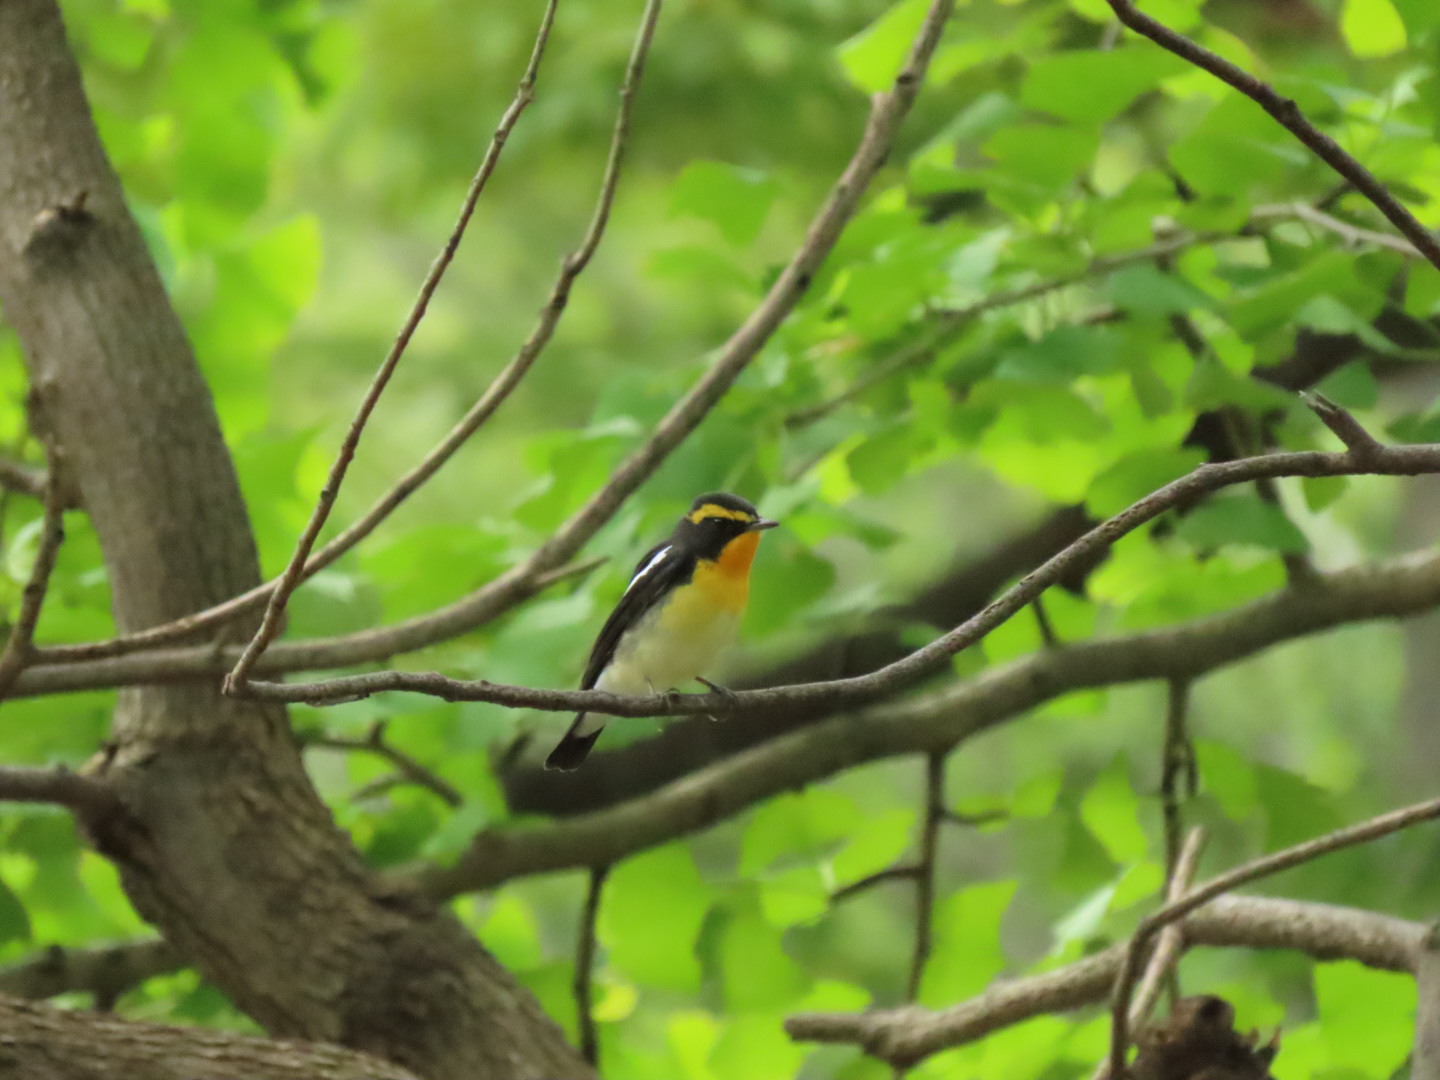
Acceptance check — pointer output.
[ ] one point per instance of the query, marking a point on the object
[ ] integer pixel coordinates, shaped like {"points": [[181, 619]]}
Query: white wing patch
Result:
{"points": [[654, 562]]}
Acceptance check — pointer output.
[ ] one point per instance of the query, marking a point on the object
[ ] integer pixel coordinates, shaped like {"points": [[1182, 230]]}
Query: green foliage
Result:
{"points": [[993, 337]]}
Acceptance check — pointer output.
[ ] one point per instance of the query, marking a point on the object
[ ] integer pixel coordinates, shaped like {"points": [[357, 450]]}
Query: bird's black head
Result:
{"points": [[714, 520]]}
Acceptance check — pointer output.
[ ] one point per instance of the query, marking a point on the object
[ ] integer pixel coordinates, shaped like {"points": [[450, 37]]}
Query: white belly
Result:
{"points": [[670, 647]]}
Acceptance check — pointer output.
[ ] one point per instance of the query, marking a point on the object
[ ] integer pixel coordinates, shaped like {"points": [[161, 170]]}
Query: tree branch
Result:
{"points": [[1287, 113], [1174, 910], [20, 646], [84, 795], [935, 721], [585, 967], [44, 1043], [1166, 955], [845, 693], [106, 972], [292, 575], [376, 743], [25, 479], [1325, 932]]}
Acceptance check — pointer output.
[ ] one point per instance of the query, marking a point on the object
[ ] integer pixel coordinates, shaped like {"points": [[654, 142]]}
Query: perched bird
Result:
{"points": [[681, 608]]}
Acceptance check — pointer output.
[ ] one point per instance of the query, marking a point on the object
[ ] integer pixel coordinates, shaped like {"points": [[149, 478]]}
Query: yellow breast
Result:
{"points": [[725, 581]]}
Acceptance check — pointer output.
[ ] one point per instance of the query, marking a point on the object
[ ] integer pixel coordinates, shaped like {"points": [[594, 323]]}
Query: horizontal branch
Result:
{"points": [[60, 787], [847, 693], [1322, 931], [1401, 587], [42, 1043], [107, 971]]}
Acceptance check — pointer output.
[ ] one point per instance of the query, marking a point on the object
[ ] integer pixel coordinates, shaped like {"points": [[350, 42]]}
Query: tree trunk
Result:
{"points": [[228, 850]]}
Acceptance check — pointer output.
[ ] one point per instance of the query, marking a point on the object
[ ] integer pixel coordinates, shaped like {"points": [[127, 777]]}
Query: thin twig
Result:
{"points": [[1350, 836], [20, 646], [944, 717], [887, 112], [847, 692], [925, 876], [290, 579], [1177, 769], [26, 479], [1164, 958], [1354, 235], [909, 1034], [1345, 427], [907, 872], [584, 968], [375, 743], [1287, 113]]}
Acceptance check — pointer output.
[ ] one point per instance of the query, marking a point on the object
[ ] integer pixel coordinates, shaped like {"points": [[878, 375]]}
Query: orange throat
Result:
{"points": [[727, 579]]}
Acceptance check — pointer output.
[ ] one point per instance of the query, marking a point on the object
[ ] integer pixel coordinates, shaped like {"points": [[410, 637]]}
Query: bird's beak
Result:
{"points": [[761, 523]]}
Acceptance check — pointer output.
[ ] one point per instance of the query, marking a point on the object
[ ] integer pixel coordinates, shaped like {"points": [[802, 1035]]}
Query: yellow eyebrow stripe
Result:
{"points": [[711, 510]]}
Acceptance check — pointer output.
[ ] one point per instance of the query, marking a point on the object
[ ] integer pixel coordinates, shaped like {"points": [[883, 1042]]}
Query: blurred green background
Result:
{"points": [[297, 165]]}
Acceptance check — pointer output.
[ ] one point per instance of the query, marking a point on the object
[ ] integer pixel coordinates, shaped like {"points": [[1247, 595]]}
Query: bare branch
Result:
{"points": [[64, 668], [1425, 1065], [25, 479], [1354, 235], [925, 871], [585, 967], [908, 872], [1162, 961], [936, 721], [376, 743], [844, 693], [20, 646], [270, 625], [106, 972], [1339, 420], [1177, 764], [1323, 931], [41, 1041], [86, 796], [1287, 113], [1350, 836]]}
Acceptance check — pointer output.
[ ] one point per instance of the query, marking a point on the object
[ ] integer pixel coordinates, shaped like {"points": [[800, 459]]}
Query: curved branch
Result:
{"points": [[1288, 115], [44, 1043], [1175, 910], [1322, 931], [1402, 587], [295, 570], [19, 649], [1370, 458]]}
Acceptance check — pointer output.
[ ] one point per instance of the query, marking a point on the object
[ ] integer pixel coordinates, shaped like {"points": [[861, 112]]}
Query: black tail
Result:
{"points": [[572, 748]]}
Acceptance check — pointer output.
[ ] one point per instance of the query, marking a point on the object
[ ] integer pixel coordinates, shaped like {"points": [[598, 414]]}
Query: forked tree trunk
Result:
{"points": [[231, 854]]}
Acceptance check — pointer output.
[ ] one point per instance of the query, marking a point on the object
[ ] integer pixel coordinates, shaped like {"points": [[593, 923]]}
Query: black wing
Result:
{"points": [[655, 575]]}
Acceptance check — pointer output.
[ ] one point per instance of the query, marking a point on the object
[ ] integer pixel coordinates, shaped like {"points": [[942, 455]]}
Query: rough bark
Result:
{"points": [[38, 1042], [225, 846]]}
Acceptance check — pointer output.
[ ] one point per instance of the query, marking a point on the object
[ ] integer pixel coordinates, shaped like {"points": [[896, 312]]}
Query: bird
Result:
{"points": [[680, 610]]}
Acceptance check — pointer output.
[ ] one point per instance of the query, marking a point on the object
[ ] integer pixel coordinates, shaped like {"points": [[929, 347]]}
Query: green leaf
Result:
{"points": [[1241, 519], [653, 906], [1367, 1017], [757, 972], [967, 953], [1372, 27], [873, 57], [1229, 777], [802, 827], [1111, 811], [735, 200], [1321, 491], [1145, 290], [757, 1048], [1091, 86], [794, 896], [875, 842]]}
